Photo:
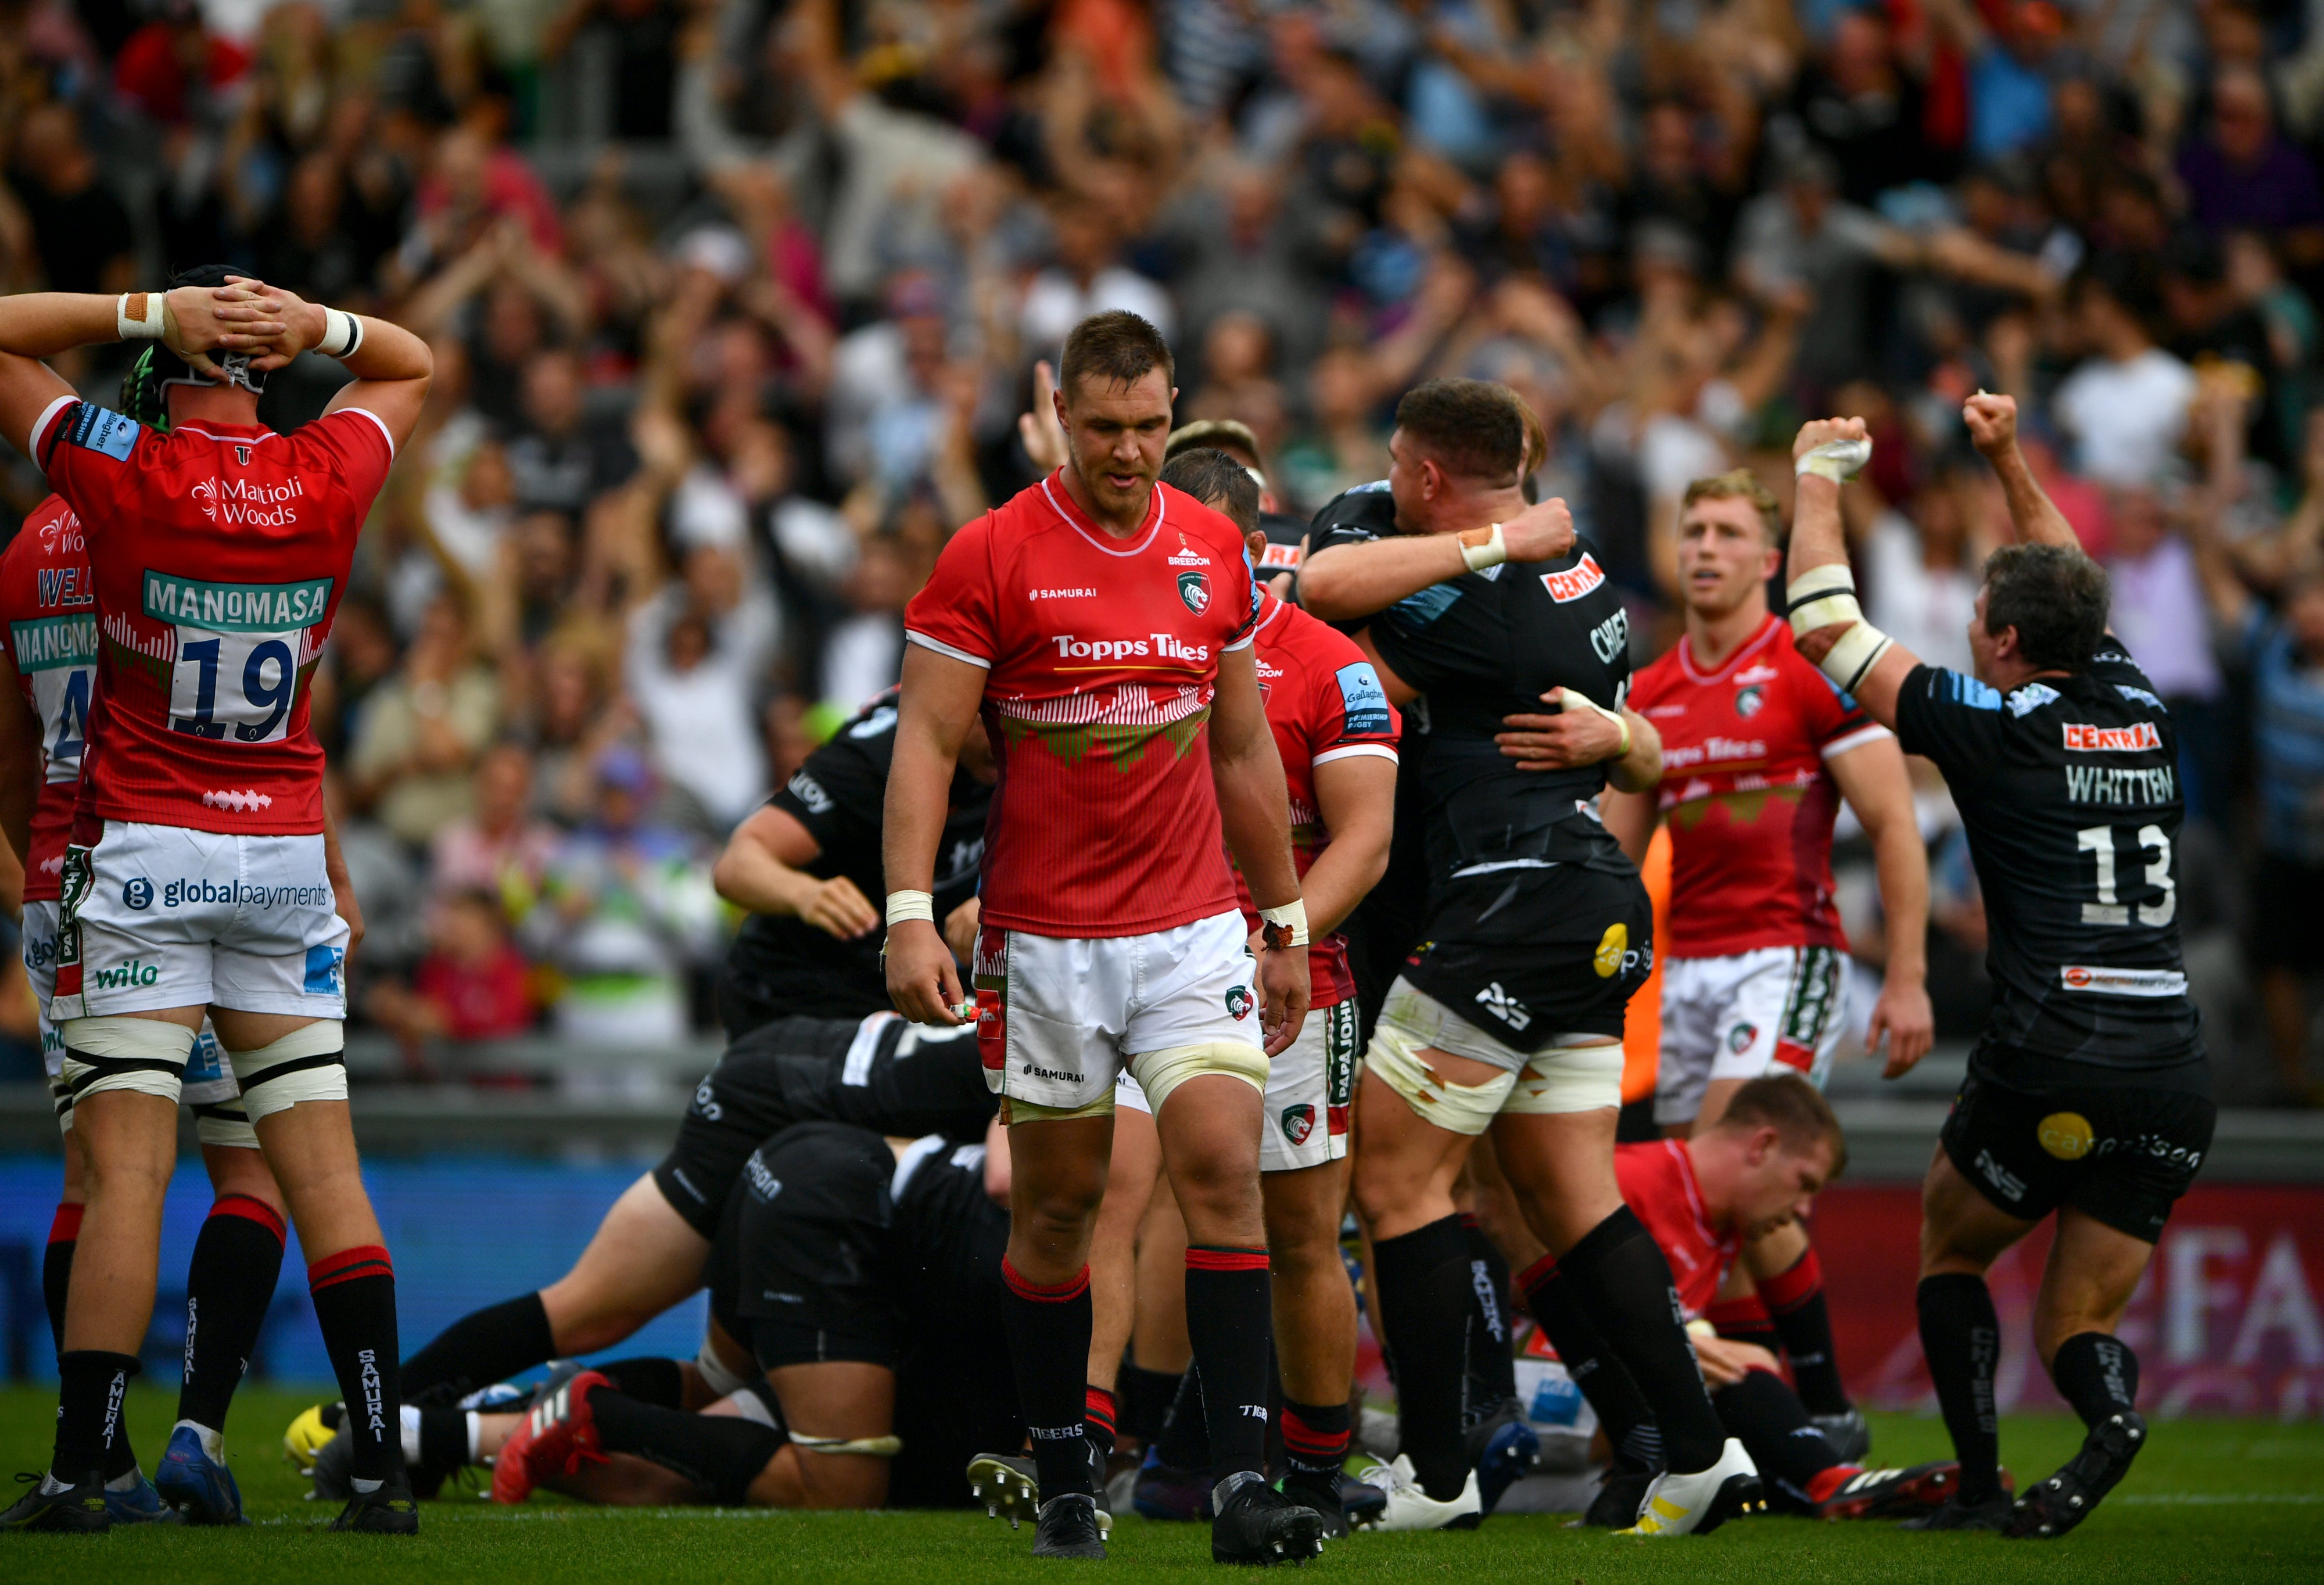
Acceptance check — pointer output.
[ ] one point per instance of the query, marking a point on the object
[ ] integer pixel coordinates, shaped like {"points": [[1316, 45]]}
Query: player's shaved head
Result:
{"points": [[1796, 1110], [1116, 347], [1473, 430], [1219, 482]]}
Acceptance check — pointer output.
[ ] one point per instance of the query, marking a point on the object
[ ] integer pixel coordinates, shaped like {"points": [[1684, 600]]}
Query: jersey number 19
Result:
{"points": [[237, 663]]}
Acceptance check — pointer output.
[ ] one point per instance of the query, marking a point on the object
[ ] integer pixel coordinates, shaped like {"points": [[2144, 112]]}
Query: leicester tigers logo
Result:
{"points": [[1195, 589]]}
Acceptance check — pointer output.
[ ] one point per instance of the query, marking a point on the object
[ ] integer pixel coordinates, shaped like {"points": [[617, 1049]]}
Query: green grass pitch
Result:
{"points": [[2209, 1500]]}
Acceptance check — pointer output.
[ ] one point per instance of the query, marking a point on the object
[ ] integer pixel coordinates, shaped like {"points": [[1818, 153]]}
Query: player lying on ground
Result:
{"points": [[219, 552], [864, 1275], [2089, 1095], [1758, 751], [1336, 734], [1100, 623], [1510, 1015]]}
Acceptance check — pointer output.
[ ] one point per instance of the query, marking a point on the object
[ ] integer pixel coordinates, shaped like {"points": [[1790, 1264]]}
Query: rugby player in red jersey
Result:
{"points": [[1335, 732], [197, 880], [1758, 748], [1103, 625], [48, 654]]}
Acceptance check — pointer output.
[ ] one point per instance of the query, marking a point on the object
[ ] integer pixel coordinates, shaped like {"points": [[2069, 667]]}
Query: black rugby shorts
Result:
{"points": [[2122, 1156]]}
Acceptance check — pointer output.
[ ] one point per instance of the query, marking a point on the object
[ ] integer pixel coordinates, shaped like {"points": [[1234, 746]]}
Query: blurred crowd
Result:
{"points": [[735, 304]]}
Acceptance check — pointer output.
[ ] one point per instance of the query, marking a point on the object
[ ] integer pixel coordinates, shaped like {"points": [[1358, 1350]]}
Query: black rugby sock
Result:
{"points": [[90, 1433], [443, 1441], [1048, 1331], [721, 1453], [484, 1346], [1423, 1308], [1315, 1437], [1772, 1425], [1960, 1339], [1745, 1320], [649, 1378], [1794, 1300], [2098, 1373], [1186, 1439], [1595, 1370], [229, 1283], [354, 1305], [56, 1268], [1624, 1285], [1492, 1364], [1230, 1309], [1146, 1399], [1097, 1421]]}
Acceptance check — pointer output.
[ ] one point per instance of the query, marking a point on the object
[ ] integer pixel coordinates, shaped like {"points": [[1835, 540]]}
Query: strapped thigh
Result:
{"points": [[309, 1063], [146, 1056]]}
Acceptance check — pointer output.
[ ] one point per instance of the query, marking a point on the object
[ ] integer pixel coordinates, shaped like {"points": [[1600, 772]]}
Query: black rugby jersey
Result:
{"points": [[788, 966], [2069, 790], [880, 1072]]}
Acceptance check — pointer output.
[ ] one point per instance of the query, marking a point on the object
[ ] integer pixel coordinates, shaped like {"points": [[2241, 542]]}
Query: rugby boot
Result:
{"points": [[1992, 1513], [388, 1511], [1009, 1487], [1323, 1493], [312, 1428], [200, 1487], [1849, 1432], [1066, 1527], [558, 1437], [1502, 1448], [2065, 1499], [1891, 1494], [1405, 1505], [1699, 1502], [1168, 1493], [130, 1500], [1620, 1495], [79, 1509], [1259, 1525]]}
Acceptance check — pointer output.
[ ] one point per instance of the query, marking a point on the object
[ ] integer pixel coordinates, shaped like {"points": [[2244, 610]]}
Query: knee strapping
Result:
{"points": [[1160, 1072], [1462, 1108], [143, 1055], [224, 1123], [309, 1063], [721, 1381], [1016, 1108], [1569, 1078]]}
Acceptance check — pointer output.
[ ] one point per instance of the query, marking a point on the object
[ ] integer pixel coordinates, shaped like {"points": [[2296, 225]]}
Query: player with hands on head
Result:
{"points": [[219, 551], [2089, 1095], [1102, 624]]}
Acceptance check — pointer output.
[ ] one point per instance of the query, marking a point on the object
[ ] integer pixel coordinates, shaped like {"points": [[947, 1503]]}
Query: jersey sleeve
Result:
{"points": [[1954, 720], [956, 614], [1445, 633], [355, 442], [1836, 723], [85, 450], [2113, 666], [838, 789], [1348, 716]]}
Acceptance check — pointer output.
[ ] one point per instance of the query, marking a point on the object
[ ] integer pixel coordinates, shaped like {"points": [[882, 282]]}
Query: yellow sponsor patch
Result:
{"points": [[1607, 959], [2066, 1135]]}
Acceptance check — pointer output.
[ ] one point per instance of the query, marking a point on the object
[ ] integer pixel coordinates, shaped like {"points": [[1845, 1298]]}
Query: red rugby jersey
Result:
{"points": [[1325, 702], [1658, 1184], [48, 626], [1101, 658], [221, 552], [1745, 791]]}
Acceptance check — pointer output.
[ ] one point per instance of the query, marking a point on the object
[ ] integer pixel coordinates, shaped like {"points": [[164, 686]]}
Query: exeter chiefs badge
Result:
{"points": [[1195, 589], [1298, 1122]]}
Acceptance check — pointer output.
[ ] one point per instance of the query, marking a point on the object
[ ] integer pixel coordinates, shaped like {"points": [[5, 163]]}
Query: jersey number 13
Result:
{"points": [[2098, 841]]}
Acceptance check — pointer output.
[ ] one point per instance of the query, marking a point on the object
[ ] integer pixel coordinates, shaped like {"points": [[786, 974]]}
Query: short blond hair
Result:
{"points": [[1739, 485]]}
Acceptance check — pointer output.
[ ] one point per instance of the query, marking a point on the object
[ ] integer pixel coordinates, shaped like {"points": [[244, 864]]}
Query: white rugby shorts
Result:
{"points": [[163, 916], [1310, 1085], [1058, 1017], [1775, 1009]]}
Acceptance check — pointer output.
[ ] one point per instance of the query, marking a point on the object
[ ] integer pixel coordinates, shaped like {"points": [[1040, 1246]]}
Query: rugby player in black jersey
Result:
{"points": [[1508, 1016], [805, 865], [2089, 1095]]}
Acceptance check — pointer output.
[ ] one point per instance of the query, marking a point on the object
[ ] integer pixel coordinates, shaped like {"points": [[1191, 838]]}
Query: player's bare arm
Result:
{"points": [[1631, 817], [20, 763], [764, 871], [1582, 732], [1356, 798], [1992, 423], [1827, 625], [1254, 815], [1358, 580], [344, 900], [1873, 780], [392, 367], [934, 713], [194, 322]]}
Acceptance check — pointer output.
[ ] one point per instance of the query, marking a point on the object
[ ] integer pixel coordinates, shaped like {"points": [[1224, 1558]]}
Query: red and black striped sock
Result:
{"points": [[1048, 1331], [229, 1283], [1795, 1302], [354, 1305], [1097, 1420], [1315, 1437], [56, 1268], [1745, 1320], [1229, 1320]]}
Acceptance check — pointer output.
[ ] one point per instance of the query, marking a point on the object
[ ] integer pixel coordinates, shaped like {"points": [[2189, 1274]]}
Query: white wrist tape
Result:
{"points": [[1576, 699], [140, 315], [342, 333], [1291, 916], [910, 905], [1491, 550], [1823, 596], [1837, 460]]}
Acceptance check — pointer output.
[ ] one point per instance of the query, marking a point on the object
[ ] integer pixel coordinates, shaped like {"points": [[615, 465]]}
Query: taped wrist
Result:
{"points": [[1483, 547], [910, 905], [342, 333], [309, 1063], [1573, 698], [141, 316], [1286, 926], [1837, 460]]}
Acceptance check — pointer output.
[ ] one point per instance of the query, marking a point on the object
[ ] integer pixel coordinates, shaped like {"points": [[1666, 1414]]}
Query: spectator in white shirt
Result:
{"points": [[2125, 406]]}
